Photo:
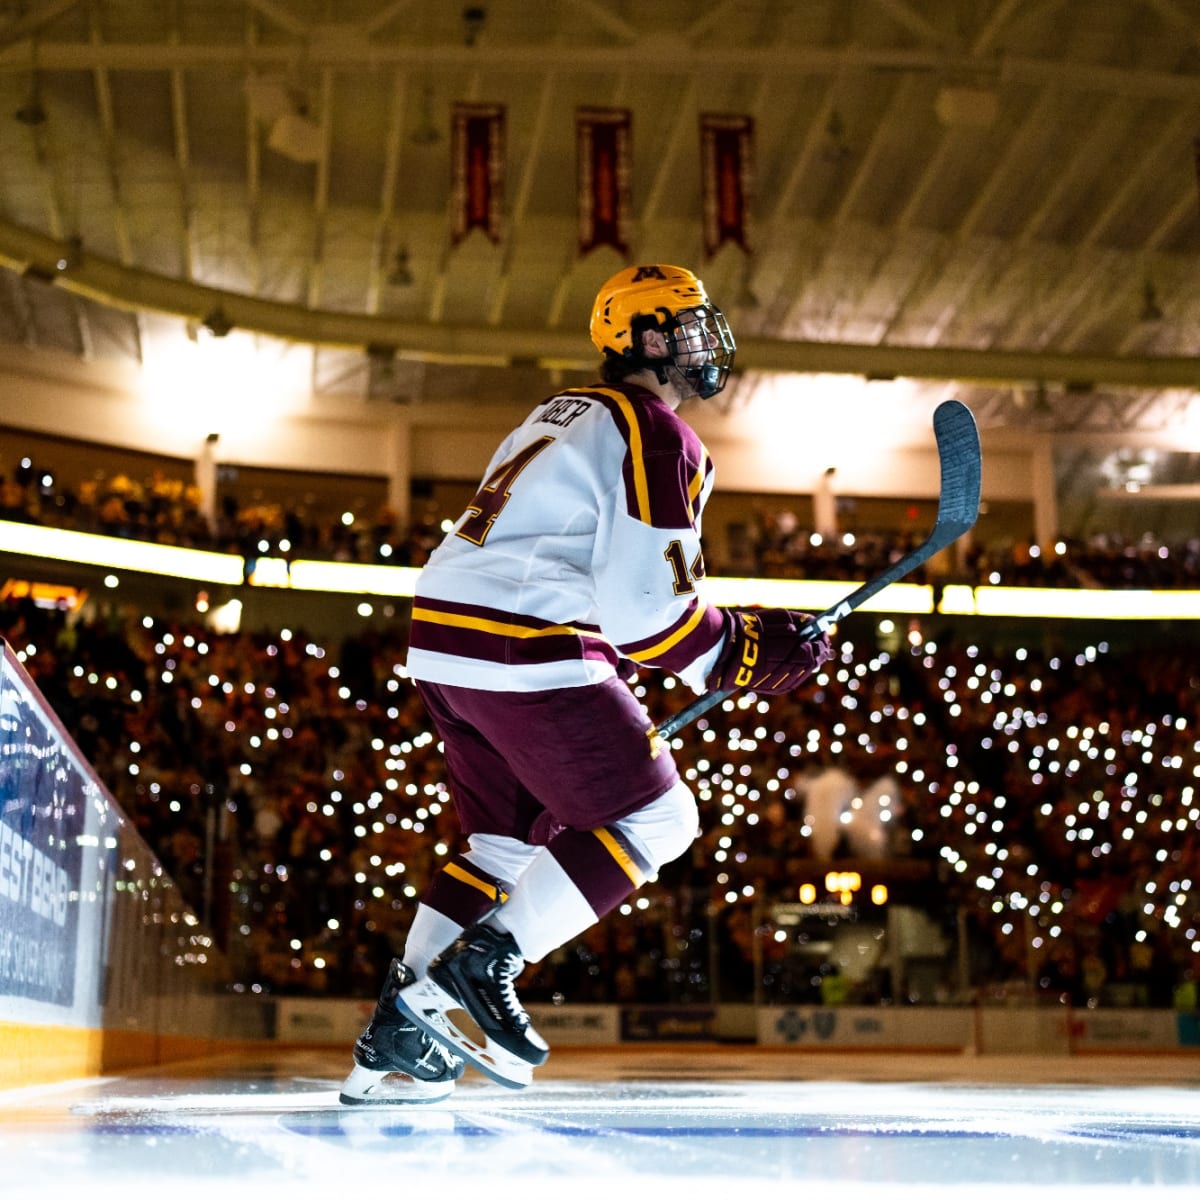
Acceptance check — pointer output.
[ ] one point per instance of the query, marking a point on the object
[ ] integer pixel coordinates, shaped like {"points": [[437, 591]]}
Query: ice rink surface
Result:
{"points": [[741, 1123]]}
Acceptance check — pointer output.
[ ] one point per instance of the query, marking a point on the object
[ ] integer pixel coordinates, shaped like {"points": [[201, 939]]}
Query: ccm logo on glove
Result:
{"points": [[764, 651]]}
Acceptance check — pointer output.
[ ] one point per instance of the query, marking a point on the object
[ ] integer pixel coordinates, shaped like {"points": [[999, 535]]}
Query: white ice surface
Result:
{"points": [[643, 1123]]}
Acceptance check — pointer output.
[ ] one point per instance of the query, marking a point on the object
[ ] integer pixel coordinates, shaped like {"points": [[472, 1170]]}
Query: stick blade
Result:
{"points": [[961, 463]]}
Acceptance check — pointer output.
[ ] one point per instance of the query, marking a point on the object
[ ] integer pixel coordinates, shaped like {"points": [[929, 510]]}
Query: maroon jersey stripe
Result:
{"points": [[666, 463], [693, 635], [499, 647], [425, 608]]}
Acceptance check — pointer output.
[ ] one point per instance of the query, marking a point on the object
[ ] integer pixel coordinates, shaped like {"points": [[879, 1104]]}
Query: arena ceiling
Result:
{"points": [[996, 198]]}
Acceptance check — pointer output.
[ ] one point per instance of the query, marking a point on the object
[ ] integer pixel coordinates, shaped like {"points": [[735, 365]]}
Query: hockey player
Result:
{"points": [[578, 556]]}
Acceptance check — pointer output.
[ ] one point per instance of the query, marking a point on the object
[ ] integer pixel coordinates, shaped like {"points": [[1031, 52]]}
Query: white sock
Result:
{"points": [[430, 934], [544, 910]]}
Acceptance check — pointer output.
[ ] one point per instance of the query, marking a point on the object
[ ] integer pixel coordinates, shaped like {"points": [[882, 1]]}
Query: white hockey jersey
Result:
{"points": [[582, 544]]}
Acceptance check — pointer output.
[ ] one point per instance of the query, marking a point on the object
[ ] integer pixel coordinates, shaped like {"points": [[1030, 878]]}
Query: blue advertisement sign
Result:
{"points": [[43, 808]]}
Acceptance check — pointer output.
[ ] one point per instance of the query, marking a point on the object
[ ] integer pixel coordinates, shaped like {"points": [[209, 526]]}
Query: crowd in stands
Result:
{"points": [[169, 510], [1041, 798], [165, 509], [779, 546]]}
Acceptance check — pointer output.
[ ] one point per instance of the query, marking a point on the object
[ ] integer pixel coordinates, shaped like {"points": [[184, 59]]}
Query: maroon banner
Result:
{"points": [[726, 172], [477, 171], [603, 137]]}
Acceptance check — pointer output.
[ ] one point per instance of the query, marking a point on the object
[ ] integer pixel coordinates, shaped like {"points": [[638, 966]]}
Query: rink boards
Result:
{"points": [[102, 965]]}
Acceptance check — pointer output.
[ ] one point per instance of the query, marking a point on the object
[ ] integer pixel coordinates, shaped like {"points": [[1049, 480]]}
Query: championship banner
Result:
{"points": [[726, 172], [477, 170], [603, 137]]}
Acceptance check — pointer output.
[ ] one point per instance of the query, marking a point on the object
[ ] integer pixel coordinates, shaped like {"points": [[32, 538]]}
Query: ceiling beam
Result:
{"points": [[1015, 152], [179, 121], [104, 106], [1088, 151], [863, 173], [685, 117], [904, 14], [316, 259], [253, 176], [382, 244], [383, 18], [881, 139], [818, 129], [129, 289], [516, 217], [279, 15], [605, 19], [32, 23], [991, 28], [780, 59]]}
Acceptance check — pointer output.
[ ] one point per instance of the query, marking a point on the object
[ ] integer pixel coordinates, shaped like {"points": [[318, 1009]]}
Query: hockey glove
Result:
{"points": [[765, 652]]}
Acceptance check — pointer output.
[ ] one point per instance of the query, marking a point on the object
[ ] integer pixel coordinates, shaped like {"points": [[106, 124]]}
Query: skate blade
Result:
{"points": [[364, 1086], [428, 1004]]}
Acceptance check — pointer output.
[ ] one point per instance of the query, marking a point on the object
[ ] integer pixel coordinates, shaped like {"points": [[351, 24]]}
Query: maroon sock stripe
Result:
{"points": [[666, 464], [601, 863], [464, 893]]}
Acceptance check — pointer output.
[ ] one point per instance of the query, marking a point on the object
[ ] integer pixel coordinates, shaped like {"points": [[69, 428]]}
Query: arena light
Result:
{"points": [[1087, 603], [44, 595], [357, 578], [843, 884], [958, 599], [119, 554], [811, 595]]}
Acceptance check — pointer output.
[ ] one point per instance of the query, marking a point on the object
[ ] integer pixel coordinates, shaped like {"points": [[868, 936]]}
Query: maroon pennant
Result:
{"points": [[726, 169], [603, 137], [477, 170]]}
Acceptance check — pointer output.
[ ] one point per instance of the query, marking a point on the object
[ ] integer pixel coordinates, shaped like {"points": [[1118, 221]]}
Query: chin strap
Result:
{"points": [[707, 379]]}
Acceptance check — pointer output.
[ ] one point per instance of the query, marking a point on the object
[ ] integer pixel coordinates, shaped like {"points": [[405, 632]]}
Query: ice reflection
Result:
{"points": [[257, 1128]]}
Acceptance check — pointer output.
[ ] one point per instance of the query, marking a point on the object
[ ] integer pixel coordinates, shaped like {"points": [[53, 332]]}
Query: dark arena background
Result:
{"points": [[276, 276]]}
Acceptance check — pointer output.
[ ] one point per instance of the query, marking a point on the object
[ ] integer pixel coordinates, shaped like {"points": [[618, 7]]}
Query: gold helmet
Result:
{"points": [[654, 296]]}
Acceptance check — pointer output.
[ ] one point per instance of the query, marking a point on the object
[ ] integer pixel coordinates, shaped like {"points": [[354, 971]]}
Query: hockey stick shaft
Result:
{"points": [[960, 461]]}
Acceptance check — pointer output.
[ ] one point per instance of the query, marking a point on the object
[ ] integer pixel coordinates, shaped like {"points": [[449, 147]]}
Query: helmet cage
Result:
{"points": [[701, 347]]}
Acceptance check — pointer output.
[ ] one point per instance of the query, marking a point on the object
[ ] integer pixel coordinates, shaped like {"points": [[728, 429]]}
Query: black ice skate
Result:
{"points": [[476, 974], [395, 1062]]}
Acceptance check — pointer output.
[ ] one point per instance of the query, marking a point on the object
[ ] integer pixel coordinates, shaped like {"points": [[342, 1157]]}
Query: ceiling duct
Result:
{"points": [[297, 137], [284, 112]]}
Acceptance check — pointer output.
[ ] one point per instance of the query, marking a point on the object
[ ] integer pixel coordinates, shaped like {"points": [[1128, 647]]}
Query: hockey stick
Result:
{"points": [[958, 508]]}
